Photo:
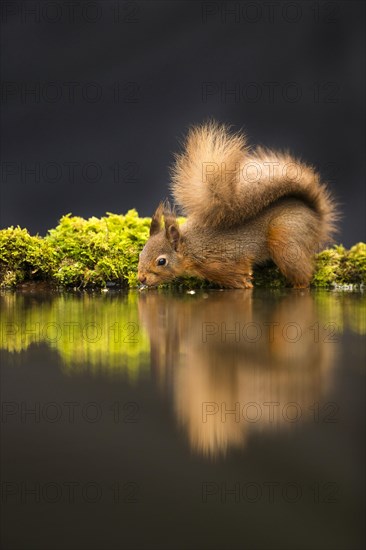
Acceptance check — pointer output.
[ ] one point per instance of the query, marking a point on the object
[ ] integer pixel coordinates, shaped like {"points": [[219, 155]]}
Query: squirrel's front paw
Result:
{"points": [[246, 281], [242, 284]]}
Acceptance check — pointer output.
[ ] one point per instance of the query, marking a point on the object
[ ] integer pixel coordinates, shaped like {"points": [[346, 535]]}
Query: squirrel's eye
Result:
{"points": [[161, 261]]}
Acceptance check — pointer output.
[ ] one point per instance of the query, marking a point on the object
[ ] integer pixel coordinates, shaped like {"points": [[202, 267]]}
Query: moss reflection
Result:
{"points": [[87, 330]]}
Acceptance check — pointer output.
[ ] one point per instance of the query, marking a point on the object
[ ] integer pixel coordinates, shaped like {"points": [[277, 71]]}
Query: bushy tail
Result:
{"points": [[219, 181]]}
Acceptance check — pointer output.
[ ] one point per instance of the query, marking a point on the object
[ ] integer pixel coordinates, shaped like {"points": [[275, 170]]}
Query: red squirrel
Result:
{"points": [[244, 207]]}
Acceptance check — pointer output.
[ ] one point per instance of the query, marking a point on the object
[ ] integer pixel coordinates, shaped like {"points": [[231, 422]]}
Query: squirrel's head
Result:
{"points": [[161, 259]]}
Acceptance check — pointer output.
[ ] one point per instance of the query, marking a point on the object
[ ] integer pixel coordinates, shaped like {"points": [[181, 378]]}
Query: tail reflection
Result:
{"points": [[236, 364]]}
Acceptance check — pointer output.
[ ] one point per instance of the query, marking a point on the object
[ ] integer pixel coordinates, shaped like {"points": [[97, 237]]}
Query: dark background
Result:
{"points": [[95, 96]]}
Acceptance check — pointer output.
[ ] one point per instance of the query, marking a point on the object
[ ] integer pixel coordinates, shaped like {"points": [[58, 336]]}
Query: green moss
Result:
{"points": [[99, 252], [23, 257], [78, 252], [96, 251], [338, 267]]}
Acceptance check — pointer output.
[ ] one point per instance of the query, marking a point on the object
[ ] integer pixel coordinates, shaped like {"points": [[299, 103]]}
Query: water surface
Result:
{"points": [[221, 419]]}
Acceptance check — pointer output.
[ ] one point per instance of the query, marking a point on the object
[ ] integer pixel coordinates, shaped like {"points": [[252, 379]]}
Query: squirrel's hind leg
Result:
{"points": [[292, 257]]}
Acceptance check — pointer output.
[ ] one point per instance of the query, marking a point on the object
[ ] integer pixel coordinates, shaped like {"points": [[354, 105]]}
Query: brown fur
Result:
{"points": [[235, 222]]}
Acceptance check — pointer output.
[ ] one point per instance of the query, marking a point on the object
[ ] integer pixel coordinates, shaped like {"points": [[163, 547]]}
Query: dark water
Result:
{"points": [[211, 420]]}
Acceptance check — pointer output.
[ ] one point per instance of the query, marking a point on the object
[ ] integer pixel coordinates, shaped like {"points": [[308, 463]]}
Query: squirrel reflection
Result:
{"points": [[236, 364]]}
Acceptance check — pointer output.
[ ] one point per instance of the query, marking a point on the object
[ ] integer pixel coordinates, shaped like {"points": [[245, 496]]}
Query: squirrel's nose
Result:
{"points": [[142, 278]]}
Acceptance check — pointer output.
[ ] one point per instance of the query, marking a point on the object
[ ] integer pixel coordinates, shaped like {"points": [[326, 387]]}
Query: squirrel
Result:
{"points": [[244, 207]]}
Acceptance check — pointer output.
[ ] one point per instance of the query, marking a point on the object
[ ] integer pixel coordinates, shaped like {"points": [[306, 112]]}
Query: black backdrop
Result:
{"points": [[96, 94]]}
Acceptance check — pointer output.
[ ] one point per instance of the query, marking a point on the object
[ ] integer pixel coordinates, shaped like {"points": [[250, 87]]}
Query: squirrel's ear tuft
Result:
{"points": [[155, 226], [171, 225], [170, 217], [172, 232], [173, 235]]}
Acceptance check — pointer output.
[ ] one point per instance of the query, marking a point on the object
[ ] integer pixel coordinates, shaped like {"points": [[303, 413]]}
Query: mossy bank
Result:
{"points": [[104, 252]]}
